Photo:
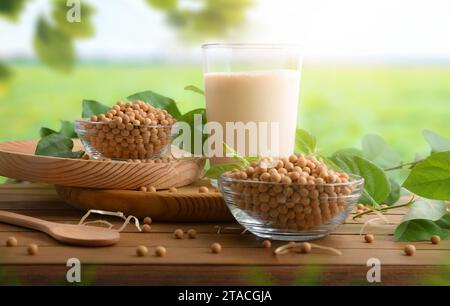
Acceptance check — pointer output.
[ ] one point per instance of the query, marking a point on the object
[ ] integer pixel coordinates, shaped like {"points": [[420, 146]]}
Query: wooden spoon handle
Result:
{"points": [[24, 221]]}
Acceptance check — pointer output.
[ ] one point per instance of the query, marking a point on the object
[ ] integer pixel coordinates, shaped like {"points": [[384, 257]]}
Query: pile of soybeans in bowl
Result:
{"points": [[293, 198], [129, 130]]}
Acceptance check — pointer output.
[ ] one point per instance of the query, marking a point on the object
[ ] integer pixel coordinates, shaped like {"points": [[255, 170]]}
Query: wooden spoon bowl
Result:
{"points": [[82, 235]]}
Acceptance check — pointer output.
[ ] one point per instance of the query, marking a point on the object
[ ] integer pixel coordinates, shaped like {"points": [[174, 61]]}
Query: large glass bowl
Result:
{"points": [[107, 140], [290, 212]]}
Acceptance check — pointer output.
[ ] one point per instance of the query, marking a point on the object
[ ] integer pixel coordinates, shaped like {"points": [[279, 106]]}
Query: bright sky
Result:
{"points": [[406, 30]]}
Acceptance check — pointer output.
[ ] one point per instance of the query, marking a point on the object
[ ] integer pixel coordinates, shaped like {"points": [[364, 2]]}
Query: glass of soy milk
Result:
{"points": [[252, 93]]}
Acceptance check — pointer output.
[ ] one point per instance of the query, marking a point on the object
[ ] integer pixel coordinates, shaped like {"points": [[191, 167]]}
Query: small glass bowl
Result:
{"points": [[108, 140], [290, 212]]}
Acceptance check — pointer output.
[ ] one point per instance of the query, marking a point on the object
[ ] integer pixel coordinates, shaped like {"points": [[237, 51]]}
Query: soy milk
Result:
{"points": [[256, 96]]}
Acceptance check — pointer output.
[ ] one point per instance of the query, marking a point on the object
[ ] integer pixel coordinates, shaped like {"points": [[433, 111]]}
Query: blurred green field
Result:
{"points": [[338, 104]]}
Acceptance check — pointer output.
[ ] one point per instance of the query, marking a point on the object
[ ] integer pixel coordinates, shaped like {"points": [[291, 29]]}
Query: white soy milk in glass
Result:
{"points": [[254, 83]]}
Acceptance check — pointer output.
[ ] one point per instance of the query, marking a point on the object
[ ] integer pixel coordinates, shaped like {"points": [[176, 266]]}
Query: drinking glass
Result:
{"points": [[255, 88]]}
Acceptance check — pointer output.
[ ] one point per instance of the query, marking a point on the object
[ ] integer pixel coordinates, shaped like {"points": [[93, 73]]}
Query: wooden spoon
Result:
{"points": [[67, 233]]}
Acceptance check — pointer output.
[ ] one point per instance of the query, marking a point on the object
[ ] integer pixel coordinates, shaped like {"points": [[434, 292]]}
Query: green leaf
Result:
{"points": [[81, 29], [431, 177], [437, 142], [68, 129], [57, 145], [189, 119], [376, 183], [251, 159], [44, 131], [304, 142], [348, 151], [399, 175], [70, 154], [422, 229], [426, 209], [11, 9], [424, 218], [394, 195], [376, 150], [328, 162], [194, 89], [215, 171], [230, 152], [158, 101], [189, 116], [5, 72], [202, 19], [53, 47], [163, 4], [93, 108]]}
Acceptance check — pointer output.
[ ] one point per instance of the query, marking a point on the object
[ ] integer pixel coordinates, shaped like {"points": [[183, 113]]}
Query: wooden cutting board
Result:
{"points": [[186, 205], [17, 160]]}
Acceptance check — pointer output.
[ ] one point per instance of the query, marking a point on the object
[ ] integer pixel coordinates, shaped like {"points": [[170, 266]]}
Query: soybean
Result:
{"points": [[435, 239], [146, 228], [369, 238], [151, 189], [305, 247], [178, 233], [148, 220], [192, 233], [141, 251], [203, 189], [173, 189], [33, 249], [216, 248], [266, 244], [11, 241], [160, 251], [410, 250]]}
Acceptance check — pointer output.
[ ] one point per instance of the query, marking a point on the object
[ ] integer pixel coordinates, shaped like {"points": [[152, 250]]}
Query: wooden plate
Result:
{"points": [[187, 205], [17, 160]]}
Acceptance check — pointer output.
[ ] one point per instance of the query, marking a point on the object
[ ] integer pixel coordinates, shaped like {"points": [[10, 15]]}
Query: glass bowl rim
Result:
{"points": [[87, 120], [357, 180]]}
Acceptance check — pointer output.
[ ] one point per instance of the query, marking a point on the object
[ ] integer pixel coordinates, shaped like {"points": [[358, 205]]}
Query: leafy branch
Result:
{"points": [[60, 143], [384, 209], [55, 35], [402, 165], [205, 19], [379, 164]]}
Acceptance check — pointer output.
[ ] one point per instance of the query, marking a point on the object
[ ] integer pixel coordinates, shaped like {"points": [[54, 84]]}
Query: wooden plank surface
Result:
{"points": [[341, 242], [208, 275], [242, 260]]}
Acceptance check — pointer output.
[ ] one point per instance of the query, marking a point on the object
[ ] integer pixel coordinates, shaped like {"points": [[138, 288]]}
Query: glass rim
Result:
{"points": [[274, 46], [356, 180]]}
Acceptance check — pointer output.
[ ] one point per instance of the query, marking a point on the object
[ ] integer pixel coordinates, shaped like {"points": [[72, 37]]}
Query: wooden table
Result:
{"points": [[190, 262]]}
